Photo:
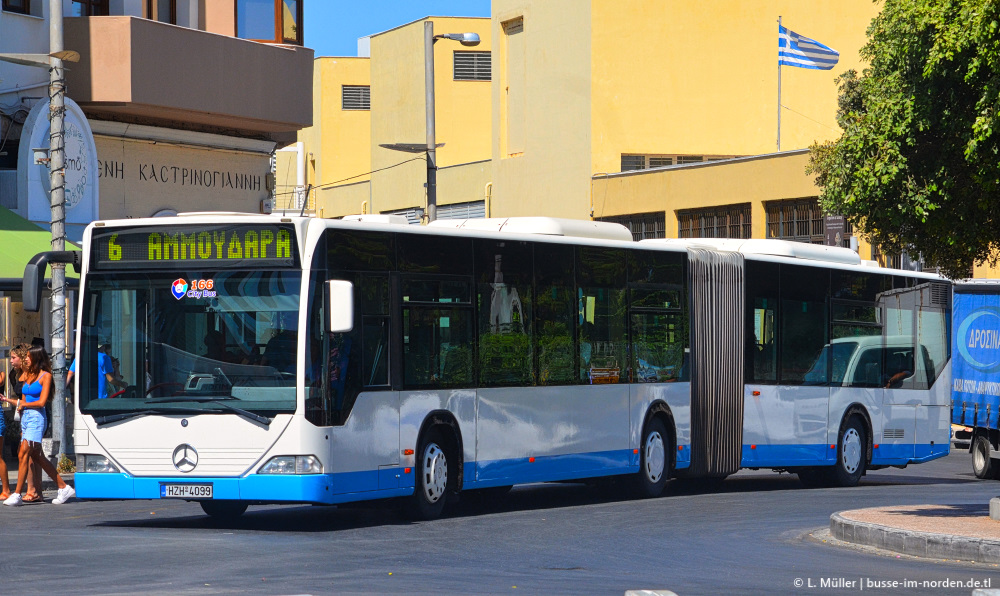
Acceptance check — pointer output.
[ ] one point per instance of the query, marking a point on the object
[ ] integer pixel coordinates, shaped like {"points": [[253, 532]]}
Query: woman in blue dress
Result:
{"points": [[37, 389]]}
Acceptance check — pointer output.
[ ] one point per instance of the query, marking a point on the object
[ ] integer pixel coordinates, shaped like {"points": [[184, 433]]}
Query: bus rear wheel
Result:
{"points": [[430, 491], [223, 510], [654, 460], [983, 466]]}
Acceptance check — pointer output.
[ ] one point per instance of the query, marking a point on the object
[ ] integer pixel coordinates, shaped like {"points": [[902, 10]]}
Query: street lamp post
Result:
{"points": [[466, 39], [53, 62]]}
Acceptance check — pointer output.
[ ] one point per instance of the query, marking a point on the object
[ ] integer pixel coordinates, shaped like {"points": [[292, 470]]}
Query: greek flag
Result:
{"points": [[799, 50]]}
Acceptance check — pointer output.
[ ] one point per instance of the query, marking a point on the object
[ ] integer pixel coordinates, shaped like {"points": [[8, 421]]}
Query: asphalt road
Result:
{"points": [[751, 534]]}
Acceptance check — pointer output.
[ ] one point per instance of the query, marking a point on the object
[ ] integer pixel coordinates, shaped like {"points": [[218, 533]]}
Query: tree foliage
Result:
{"points": [[917, 167]]}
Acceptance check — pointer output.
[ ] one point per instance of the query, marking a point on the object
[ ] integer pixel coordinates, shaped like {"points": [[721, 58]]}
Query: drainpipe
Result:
{"points": [[488, 195]]}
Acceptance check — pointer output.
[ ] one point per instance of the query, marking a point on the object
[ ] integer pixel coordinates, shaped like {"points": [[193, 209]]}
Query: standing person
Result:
{"points": [[105, 373], [37, 390], [35, 477], [4, 481]]}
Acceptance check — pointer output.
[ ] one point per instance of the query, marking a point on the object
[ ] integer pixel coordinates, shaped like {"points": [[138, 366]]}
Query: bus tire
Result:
{"points": [[223, 510], [432, 481], [982, 465], [852, 444], [654, 460]]}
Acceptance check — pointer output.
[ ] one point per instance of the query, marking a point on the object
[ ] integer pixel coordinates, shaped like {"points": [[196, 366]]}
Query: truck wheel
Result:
{"points": [[982, 465]]}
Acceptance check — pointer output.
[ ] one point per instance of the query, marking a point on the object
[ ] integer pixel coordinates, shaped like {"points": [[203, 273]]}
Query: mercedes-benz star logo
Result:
{"points": [[185, 458]]}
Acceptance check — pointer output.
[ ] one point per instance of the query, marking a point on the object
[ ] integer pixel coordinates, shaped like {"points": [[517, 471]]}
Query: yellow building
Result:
{"points": [[585, 89], [348, 169], [659, 114]]}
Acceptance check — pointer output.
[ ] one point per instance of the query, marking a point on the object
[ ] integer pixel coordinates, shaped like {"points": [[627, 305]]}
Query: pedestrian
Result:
{"points": [[37, 389], [17, 355], [4, 481]]}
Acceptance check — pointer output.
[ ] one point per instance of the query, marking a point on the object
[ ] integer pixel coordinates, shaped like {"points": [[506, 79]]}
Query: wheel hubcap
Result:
{"points": [[655, 457], [851, 451], [435, 470]]}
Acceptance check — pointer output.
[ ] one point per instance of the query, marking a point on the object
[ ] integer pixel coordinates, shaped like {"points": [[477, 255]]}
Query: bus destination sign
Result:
{"points": [[227, 246]]}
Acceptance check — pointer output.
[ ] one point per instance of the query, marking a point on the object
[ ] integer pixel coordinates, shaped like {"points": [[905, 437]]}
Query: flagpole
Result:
{"points": [[779, 87]]}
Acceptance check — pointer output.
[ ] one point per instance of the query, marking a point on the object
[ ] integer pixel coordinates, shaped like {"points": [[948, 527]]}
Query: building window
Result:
{"points": [[472, 66], [800, 220], [644, 226], [18, 6], [88, 8], [727, 221], [633, 162], [356, 97], [269, 21], [164, 11]]}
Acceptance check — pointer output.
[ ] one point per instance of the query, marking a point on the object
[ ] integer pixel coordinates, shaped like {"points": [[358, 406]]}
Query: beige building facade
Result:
{"points": [[351, 172]]}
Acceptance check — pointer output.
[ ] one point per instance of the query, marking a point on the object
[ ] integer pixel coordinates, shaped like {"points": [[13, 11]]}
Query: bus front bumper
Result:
{"points": [[261, 488]]}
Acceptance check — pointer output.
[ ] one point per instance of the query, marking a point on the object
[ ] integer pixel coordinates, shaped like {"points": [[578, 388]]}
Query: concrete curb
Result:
{"points": [[919, 544]]}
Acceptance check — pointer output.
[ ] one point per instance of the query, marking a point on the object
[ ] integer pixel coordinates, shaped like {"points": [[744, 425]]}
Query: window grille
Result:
{"points": [[659, 162], [472, 66], [633, 162], [728, 221], [356, 97], [643, 226], [800, 220]]}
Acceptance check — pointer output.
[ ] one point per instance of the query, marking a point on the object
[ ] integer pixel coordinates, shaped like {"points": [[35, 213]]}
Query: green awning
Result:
{"points": [[19, 241]]}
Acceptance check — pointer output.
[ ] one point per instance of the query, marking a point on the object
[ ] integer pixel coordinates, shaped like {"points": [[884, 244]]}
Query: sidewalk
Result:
{"points": [[958, 532]]}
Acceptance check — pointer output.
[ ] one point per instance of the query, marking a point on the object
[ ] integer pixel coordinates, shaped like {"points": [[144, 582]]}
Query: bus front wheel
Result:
{"points": [[654, 462], [223, 510], [430, 491], [851, 447]]}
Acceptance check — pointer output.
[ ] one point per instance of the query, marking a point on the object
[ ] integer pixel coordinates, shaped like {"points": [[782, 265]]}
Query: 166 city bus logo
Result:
{"points": [[199, 288]]}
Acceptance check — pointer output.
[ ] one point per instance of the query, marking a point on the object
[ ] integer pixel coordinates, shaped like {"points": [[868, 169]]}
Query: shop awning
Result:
{"points": [[19, 241]]}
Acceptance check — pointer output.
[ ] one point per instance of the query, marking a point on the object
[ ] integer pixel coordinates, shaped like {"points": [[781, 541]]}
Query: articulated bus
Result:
{"points": [[273, 359]]}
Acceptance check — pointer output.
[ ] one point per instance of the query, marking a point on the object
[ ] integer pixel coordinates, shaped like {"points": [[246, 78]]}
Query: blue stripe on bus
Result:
{"points": [[780, 456], [557, 467]]}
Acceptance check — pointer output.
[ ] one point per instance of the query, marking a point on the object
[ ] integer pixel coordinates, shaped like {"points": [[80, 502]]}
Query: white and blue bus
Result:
{"points": [[276, 359]]}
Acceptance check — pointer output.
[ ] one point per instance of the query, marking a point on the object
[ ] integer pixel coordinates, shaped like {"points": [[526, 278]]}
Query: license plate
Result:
{"points": [[186, 491]]}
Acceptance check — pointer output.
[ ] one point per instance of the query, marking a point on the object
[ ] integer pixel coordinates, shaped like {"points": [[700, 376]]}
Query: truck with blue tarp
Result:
{"points": [[976, 373]]}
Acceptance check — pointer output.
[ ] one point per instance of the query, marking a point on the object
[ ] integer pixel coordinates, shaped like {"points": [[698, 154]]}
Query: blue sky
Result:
{"points": [[332, 27]]}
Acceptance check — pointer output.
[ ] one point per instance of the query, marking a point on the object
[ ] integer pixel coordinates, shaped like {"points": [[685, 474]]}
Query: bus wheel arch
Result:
{"points": [[659, 409]]}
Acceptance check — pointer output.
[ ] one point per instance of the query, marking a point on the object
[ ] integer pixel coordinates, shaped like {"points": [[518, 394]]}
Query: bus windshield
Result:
{"points": [[191, 342]]}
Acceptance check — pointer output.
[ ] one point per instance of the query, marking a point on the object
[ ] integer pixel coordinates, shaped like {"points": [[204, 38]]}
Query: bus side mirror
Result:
{"points": [[34, 274], [340, 305]]}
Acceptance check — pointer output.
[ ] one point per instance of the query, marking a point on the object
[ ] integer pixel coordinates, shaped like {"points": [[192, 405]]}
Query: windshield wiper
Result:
{"points": [[103, 420], [191, 398], [241, 412]]}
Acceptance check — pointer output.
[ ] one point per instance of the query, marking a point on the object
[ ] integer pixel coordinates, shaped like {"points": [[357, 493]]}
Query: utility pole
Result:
{"points": [[57, 200], [431, 138]]}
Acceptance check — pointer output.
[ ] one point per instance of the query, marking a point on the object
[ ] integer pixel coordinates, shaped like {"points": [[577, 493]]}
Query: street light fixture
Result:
{"points": [[466, 39]]}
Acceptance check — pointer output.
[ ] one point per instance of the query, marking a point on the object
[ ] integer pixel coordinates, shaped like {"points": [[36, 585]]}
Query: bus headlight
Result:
{"points": [[292, 464], [95, 464]]}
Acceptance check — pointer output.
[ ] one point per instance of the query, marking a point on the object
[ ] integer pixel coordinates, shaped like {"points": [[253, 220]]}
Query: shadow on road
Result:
{"points": [[308, 519]]}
